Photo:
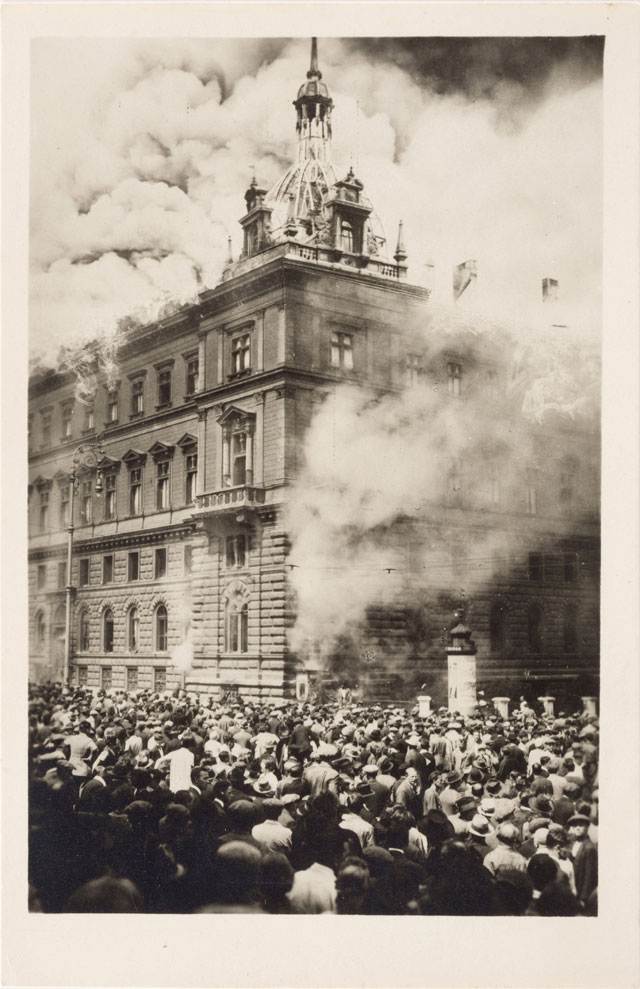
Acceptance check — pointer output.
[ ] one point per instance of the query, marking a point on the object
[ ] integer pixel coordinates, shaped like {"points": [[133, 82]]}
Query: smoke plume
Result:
{"points": [[489, 148]]}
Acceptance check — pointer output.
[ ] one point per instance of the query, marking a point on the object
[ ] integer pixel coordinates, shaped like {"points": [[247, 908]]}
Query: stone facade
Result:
{"points": [[202, 434]]}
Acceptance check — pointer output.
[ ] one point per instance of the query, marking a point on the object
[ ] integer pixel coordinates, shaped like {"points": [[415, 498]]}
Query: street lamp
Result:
{"points": [[86, 457]]}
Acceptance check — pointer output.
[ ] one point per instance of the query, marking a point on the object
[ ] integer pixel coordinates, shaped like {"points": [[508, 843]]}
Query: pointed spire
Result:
{"points": [[314, 72], [401, 255]]}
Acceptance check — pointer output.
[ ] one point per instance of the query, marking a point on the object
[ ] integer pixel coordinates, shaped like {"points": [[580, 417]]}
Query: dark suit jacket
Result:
{"points": [[585, 867]]}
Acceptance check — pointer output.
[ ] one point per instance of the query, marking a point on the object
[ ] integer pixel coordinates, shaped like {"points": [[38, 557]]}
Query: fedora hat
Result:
{"points": [[453, 778], [480, 827]]}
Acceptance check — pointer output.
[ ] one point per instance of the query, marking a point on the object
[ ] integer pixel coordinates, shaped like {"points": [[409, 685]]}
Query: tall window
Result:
{"points": [[342, 350], [160, 568], [236, 548], [83, 631], [83, 572], [534, 627], [132, 677], [570, 628], [159, 679], [413, 369], [112, 405], [107, 625], [237, 627], [67, 416], [133, 629], [133, 566], [45, 425], [161, 628], [346, 237], [137, 396], [454, 378], [568, 473], [162, 484], [164, 386], [135, 490], [497, 627], [569, 567], [239, 458], [83, 676], [193, 368], [110, 503], [65, 495], [40, 630], [41, 576], [535, 567], [44, 509], [531, 491], [107, 569], [191, 473], [241, 353], [106, 678], [89, 418], [86, 512]]}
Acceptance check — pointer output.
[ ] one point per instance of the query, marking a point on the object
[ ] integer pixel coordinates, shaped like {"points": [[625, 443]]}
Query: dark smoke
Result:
{"points": [[511, 73]]}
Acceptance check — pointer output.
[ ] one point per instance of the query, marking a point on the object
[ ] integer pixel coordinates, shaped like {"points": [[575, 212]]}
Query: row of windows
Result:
{"points": [[492, 491], [131, 674], [164, 392], [536, 630], [161, 479], [236, 629], [236, 555]]}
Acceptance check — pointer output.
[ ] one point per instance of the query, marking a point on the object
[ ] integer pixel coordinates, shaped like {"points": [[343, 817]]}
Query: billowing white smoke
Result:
{"points": [[136, 186], [370, 463]]}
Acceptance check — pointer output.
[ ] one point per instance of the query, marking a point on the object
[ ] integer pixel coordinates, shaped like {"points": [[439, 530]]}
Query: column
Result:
{"points": [[202, 357], [202, 451], [226, 458], [547, 704], [249, 458], [501, 705]]}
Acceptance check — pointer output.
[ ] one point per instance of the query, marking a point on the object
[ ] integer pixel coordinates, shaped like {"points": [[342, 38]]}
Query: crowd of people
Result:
{"points": [[174, 803]]}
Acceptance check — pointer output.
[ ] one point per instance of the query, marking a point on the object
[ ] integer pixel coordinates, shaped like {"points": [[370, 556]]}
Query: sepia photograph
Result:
{"points": [[314, 447]]}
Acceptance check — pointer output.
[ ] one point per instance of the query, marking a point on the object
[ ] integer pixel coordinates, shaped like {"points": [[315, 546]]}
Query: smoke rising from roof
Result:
{"points": [[136, 186]]}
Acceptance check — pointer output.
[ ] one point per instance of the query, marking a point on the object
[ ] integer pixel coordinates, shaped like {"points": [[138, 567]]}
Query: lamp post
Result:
{"points": [[85, 457]]}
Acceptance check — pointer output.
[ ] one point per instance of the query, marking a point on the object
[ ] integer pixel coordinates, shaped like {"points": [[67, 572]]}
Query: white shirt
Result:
{"points": [[181, 763], [314, 890], [275, 836], [364, 830]]}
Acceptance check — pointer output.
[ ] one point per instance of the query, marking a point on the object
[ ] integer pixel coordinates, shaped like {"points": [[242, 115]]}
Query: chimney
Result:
{"points": [[549, 290], [463, 275]]}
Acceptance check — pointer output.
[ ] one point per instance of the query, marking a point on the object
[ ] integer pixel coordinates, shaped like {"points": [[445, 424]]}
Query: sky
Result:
{"points": [[487, 148]]}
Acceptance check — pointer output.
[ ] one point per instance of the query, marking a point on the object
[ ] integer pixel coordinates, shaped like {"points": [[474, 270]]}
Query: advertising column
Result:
{"points": [[461, 655]]}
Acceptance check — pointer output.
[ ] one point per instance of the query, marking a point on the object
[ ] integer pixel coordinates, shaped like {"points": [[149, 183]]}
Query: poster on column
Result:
{"points": [[462, 684]]}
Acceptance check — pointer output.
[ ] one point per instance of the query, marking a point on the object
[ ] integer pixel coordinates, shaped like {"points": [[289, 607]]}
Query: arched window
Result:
{"points": [[534, 627], [107, 622], [133, 629], [496, 628], [570, 628], [237, 627], [346, 237], [83, 631], [161, 628], [41, 630]]}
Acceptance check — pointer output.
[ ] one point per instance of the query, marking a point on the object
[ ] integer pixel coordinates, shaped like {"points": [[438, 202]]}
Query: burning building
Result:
{"points": [[305, 474]]}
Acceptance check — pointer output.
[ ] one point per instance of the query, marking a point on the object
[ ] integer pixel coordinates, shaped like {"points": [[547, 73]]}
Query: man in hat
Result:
{"points": [[585, 857], [82, 749], [452, 792], [379, 791], [180, 763], [352, 819], [477, 836], [407, 792], [465, 810], [320, 774], [505, 856]]}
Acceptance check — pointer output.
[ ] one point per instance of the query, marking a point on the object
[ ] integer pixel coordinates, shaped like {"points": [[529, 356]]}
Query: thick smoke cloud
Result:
{"points": [[138, 183], [373, 465]]}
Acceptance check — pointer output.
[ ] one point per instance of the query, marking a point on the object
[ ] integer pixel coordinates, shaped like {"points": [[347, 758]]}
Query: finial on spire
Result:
{"points": [[314, 71], [401, 255]]}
